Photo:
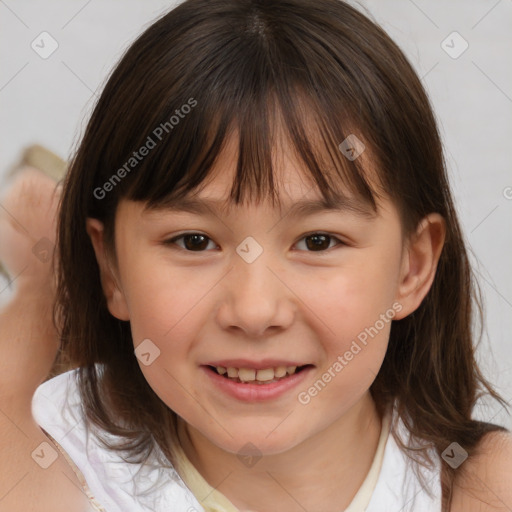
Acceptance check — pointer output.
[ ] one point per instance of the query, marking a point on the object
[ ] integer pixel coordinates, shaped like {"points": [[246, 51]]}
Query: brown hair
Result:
{"points": [[246, 65]]}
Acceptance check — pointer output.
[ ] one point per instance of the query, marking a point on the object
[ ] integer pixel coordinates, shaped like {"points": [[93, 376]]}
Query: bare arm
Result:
{"points": [[28, 345]]}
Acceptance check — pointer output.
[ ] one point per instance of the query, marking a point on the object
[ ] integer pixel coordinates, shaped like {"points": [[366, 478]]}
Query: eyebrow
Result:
{"points": [[299, 209]]}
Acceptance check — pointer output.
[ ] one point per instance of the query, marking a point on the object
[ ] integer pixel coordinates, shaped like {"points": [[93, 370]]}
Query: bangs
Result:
{"points": [[264, 126], [250, 82]]}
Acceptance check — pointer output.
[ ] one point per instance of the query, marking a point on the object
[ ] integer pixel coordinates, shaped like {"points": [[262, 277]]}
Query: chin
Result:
{"points": [[257, 441]]}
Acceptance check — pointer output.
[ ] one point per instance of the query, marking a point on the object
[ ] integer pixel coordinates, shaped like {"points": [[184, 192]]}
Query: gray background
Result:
{"points": [[47, 101]]}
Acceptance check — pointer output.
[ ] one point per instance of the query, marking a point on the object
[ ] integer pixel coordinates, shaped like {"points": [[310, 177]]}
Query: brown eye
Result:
{"points": [[319, 242], [192, 242], [197, 242]]}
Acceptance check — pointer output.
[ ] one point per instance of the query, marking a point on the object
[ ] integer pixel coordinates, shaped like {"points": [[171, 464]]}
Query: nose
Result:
{"points": [[256, 299]]}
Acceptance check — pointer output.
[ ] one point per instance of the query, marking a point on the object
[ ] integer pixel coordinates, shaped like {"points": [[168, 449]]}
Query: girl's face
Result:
{"points": [[259, 289]]}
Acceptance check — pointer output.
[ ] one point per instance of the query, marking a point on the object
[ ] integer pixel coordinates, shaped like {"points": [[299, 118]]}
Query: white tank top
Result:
{"points": [[113, 485]]}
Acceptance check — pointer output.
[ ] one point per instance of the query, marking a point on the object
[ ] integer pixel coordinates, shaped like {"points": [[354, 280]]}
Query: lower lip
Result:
{"points": [[256, 392]]}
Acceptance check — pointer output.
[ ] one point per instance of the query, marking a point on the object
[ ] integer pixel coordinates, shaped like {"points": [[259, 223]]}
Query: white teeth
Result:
{"points": [[232, 372], [252, 375], [280, 371], [246, 374], [264, 375]]}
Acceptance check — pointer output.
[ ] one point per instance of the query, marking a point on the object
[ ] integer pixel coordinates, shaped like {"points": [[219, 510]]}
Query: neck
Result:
{"points": [[322, 473]]}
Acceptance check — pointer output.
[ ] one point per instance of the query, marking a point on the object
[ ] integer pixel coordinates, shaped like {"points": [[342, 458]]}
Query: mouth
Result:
{"points": [[251, 382], [261, 376]]}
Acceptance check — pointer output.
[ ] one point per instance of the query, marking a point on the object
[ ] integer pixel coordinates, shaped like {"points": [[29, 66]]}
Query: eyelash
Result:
{"points": [[172, 241]]}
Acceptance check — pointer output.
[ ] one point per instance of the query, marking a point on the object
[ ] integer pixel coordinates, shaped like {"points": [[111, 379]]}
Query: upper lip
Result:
{"points": [[257, 365]]}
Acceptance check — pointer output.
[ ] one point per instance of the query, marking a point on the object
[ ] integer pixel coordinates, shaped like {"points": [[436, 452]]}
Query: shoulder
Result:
{"points": [[56, 404], [108, 475], [51, 396], [485, 484]]}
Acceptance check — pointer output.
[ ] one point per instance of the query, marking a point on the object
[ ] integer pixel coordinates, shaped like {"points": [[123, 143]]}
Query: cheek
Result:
{"points": [[358, 316], [165, 312], [370, 284], [352, 297], [161, 325], [161, 298], [353, 307]]}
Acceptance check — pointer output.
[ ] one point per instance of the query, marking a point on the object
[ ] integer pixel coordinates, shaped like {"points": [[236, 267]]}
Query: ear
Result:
{"points": [[116, 300], [419, 263]]}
